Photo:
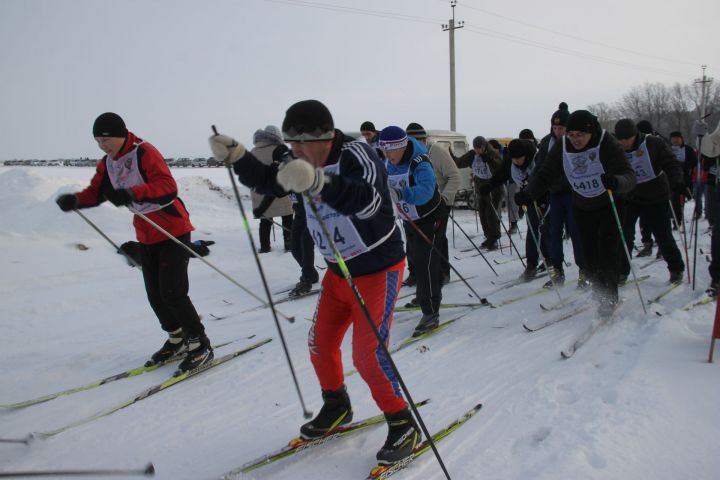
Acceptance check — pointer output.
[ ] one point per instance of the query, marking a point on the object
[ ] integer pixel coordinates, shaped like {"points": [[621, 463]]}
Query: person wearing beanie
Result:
{"points": [[519, 166], [685, 154], [370, 134], [658, 173], [419, 204], [344, 185], [486, 162], [514, 212], [593, 163], [134, 174], [448, 181], [527, 134], [560, 216], [269, 145]]}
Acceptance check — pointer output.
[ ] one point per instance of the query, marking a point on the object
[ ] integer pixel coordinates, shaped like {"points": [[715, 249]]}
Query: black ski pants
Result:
{"points": [[164, 268], [266, 225], [426, 259], [657, 221], [303, 248], [602, 248]]}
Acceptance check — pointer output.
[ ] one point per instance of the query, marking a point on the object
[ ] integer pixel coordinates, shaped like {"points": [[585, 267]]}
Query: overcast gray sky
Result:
{"points": [[171, 68]]}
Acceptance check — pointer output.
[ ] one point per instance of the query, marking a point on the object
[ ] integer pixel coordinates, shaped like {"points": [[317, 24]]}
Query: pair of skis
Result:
{"points": [[299, 445], [173, 380], [119, 376]]}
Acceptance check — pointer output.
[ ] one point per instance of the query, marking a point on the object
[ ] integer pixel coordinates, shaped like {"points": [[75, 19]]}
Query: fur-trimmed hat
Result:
{"points": [[308, 121]]}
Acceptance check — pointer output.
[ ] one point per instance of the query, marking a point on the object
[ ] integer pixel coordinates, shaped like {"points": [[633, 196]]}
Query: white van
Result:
{"points": [[458, 144]]}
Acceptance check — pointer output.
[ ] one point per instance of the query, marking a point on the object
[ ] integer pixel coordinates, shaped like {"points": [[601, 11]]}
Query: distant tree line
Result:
{"points": [[668, 108]]}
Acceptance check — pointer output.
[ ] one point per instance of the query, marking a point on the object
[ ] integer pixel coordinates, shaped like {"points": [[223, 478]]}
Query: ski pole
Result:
{"points": [[681, 232], [129, 258], [290, 319], [452, 213], [148, 471], [537, 245], [624, 244], [512, 244], [366, 313], [25, 441], [306, 412], [473, 244], [442, 257]]}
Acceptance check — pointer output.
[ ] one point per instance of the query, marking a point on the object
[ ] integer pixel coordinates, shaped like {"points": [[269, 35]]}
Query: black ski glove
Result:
{"points": [[67, 202], [523, 198], [609, 181], [120, 198]]}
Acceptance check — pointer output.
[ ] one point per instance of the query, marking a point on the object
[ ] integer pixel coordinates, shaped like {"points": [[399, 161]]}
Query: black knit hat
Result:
{"points": [[677, 133], [582, 121], [479, 142], [526, 134], [416, 130], [367, 127], [560, 117], [520, 147], [109, 125], [645, 127], [308, 121], [625, 128]]}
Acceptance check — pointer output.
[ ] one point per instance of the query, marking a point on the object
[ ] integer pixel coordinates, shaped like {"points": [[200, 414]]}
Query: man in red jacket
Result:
{"points": [[133, 173]]}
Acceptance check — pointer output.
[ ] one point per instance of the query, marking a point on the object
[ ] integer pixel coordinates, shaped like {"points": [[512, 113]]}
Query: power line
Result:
{"points": [[574, 37], [565, 51], [487, 32]]}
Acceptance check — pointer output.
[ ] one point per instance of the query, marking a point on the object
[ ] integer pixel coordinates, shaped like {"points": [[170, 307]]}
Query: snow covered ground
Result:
{"points": [[638, 401]]}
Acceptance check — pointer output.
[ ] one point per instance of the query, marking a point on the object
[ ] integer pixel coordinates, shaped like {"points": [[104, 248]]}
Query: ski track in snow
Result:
{"points": [[637, 401]]}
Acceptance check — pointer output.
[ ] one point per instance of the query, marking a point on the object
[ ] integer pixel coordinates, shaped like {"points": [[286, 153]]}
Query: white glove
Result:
{"points": [[299, 176], [226, 149]]}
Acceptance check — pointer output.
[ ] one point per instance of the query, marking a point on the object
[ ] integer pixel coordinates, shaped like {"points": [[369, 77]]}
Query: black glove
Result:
{"points": [[257, 212], [523, 198], [67, 202], [201, 247], [119, 198], [281, 153], [609, 181], [484, 189]]}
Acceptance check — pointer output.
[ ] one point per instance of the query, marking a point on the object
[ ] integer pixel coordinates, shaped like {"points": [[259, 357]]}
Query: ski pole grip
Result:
{"points": [[214, 129]]}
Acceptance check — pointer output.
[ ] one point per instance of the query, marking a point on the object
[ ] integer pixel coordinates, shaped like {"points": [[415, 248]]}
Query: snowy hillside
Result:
{"points": [[638, 401]]}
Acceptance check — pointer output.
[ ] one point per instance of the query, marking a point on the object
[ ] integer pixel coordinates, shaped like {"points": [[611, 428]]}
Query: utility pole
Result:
{"points": [[703, 81], [451, 27]]}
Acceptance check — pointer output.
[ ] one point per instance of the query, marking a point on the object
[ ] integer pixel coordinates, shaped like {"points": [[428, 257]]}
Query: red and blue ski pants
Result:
{"points": [[337, 309]]}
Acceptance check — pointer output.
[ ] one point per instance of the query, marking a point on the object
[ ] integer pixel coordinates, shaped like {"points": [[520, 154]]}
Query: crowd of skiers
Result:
{"points": [[348, 200]]}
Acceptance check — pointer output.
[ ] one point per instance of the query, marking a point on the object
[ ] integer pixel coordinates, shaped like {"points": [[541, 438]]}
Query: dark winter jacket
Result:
{"points": [[665, 166], [560, 184], [613, 160], [505, 173], [157, 187], [491, 157], [359, 191]]}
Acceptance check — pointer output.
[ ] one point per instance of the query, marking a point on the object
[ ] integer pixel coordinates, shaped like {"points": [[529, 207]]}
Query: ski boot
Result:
{"points": [[529, 273], [676, 277], [557, 278], [583, 280], [403, 437], [173, 347], [513, 228], [607, 307], [199, 353], [303, 287], [414, 303], [491, 245], [645, 251], [427, 322], [336, 411], [712, 289]]}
